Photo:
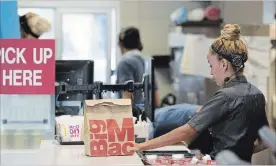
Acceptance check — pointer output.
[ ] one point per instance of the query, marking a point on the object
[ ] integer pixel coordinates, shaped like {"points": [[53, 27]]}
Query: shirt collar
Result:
{"points": [[236, 80], [132, 52]]}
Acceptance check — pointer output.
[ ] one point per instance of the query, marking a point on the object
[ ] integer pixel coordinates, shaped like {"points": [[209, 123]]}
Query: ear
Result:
{"points": [[224, 64], [121, 44]]}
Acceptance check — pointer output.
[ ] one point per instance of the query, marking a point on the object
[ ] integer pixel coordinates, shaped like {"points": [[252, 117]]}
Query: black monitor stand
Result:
{"points": [[98, 88], [73, 72]]}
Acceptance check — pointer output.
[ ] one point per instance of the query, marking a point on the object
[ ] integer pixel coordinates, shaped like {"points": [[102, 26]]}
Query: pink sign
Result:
{"points": [[27, 66]]}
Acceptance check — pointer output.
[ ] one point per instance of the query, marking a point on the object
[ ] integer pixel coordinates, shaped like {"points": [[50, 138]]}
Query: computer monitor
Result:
{"points": [[153, 106], [74, 72], [150, 102]]}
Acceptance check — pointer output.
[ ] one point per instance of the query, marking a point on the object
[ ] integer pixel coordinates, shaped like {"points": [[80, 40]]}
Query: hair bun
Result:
{"points": [[230, 32], [37, 24]]}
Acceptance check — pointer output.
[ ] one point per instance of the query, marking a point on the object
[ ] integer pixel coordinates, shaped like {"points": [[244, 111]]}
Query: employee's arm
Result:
{"points": [[157, 101], [157, 98], [210, 113], [127, 95], [184, 133], [198, 109]]}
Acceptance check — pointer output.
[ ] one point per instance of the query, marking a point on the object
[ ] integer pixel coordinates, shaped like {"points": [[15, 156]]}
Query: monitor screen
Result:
{"points": [[150, 102], [74, 72]]}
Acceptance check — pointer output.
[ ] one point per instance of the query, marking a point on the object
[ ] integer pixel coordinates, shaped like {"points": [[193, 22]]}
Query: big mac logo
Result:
{"points": [[107, 138]]}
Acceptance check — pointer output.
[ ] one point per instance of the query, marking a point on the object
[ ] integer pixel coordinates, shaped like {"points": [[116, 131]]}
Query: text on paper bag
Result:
{"points": [[109, 139]]}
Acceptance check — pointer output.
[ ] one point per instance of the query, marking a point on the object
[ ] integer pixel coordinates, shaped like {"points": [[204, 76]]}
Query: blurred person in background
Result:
{"points": [[132, 64], [237, 110], [32, 26]]}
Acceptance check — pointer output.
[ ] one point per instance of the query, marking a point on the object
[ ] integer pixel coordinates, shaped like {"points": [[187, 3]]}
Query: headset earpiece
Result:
{"points": [[237, 60]]}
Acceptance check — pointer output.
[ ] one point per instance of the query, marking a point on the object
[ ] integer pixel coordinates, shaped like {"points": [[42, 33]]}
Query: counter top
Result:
{"points": [[74, 155], [18, 157], [53, 154]]}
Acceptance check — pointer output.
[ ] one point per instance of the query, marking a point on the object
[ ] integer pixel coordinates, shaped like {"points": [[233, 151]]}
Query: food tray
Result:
{"points": [[166, 158], [168, 153]]}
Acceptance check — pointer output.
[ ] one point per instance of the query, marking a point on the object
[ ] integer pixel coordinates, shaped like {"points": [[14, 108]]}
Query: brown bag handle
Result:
{"points": [[109, 104], [105, 104]]}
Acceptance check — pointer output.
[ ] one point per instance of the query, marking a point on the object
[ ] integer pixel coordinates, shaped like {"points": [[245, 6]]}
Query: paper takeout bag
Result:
{"points": [[108, 127]]}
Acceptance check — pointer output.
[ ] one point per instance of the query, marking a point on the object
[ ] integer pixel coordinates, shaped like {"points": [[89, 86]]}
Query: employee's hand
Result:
{"points": [[198, 109], [137, 148], [258, 146]]}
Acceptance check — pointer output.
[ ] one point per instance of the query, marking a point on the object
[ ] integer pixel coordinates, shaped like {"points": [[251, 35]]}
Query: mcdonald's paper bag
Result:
{"points": [[108, 127]]}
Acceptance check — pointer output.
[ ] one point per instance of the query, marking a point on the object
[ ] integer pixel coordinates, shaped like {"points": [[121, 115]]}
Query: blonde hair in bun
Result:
{"points": [[230, 32], [37, 25], [230, 42]]}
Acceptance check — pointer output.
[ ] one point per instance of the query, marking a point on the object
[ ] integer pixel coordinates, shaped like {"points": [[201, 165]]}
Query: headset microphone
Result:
{"points": [[228, 78]]}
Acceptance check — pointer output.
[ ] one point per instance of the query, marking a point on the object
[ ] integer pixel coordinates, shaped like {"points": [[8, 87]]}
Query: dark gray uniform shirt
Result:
{"points": [[132, 67], [233, 116]]}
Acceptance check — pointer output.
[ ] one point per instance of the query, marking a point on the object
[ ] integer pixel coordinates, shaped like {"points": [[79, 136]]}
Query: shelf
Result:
{"points": [[204, 23]]}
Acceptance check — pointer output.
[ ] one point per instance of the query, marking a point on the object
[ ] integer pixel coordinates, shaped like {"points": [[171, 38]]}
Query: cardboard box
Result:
{"points": [[108, 127]]}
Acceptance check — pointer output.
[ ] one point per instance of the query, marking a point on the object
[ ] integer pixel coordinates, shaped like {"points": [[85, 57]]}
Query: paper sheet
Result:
{"points": [[194, 60]]}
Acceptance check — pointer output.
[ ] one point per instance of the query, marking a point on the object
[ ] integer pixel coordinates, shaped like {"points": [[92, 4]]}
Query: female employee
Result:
{"points": [[32, 26], [132, 64], [236, 111]]}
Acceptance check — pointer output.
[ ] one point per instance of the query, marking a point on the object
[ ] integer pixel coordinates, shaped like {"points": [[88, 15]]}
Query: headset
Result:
{"points": [[237, 60]]}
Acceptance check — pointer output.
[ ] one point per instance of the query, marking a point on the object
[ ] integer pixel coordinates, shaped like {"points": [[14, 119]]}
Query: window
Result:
{"points": [[82, 33], [84, 37]]}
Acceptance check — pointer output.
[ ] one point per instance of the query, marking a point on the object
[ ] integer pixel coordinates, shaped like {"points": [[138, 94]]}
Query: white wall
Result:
{"points": [[153, 17], [247, 12], [153, 20], [242, 12]]}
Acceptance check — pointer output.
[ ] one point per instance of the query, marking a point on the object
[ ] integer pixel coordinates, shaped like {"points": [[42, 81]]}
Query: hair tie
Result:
{"points": [[237, 60]]}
